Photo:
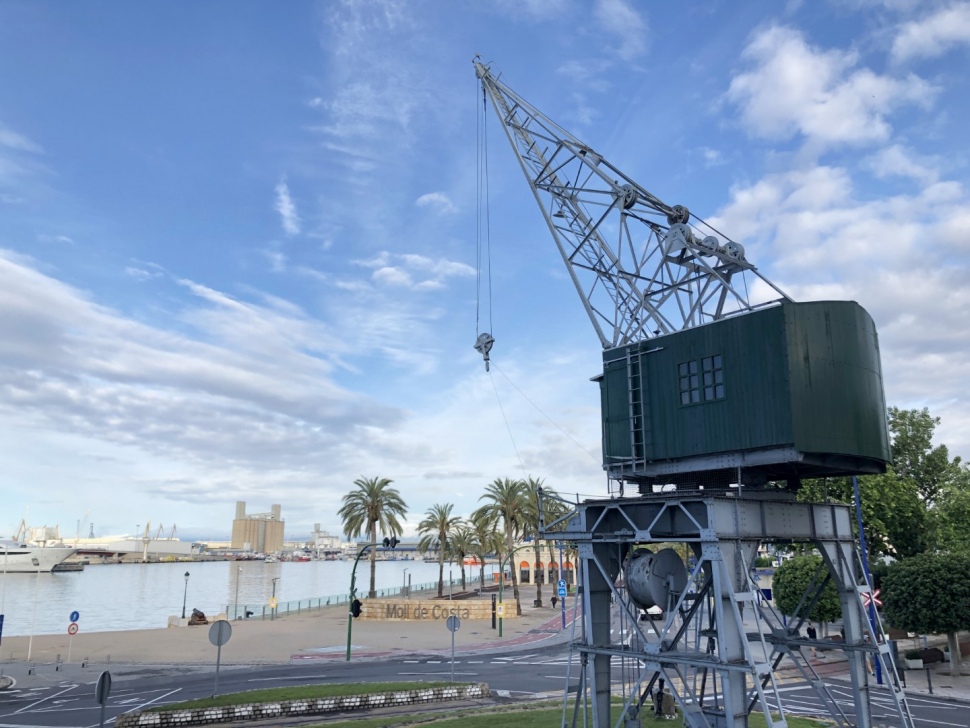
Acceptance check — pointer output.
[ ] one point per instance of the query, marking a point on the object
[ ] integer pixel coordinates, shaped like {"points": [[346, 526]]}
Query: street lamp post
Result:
{"points": [[235, 605], [353, 595], [272, 609], [185, 594]]}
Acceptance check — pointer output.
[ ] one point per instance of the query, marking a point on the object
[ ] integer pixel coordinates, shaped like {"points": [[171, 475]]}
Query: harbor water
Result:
{"points": [[112, 597]]}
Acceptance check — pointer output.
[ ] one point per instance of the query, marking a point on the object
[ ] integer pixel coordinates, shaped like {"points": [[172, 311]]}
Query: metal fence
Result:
{"points": [[263, 611]]}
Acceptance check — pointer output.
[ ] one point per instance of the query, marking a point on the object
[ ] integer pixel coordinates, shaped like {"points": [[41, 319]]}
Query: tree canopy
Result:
{"points": [[921, 503], [372, 504], [792, 579]]}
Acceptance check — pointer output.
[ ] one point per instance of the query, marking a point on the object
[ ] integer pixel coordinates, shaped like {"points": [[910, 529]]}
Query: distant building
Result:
{"points": [[323, 542], [258, 532]]}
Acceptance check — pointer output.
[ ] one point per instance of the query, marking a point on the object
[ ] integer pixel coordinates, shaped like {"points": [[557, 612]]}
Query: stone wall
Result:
{"points": [[295, 708], [431, 609]]}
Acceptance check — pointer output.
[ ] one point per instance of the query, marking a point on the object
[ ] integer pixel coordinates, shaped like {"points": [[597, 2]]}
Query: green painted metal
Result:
{"points": [[798, 376]]}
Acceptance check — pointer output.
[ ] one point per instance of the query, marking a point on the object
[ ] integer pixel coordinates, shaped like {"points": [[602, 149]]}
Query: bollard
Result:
{"points": [[84, 662], [57, 663], [30, 670], [929, 680]]}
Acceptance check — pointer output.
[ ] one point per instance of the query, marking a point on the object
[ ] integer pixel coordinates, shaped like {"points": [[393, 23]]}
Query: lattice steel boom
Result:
{"points": [[642, 268]]}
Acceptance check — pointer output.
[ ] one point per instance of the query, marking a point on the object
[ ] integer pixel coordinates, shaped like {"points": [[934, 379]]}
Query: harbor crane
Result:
{"points": [[715, 404]]}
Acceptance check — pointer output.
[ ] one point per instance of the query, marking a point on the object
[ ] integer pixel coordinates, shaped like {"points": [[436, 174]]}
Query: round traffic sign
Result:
{"points": [[75, 615], [72, 628], [103, 689], [220, 632], [454, 624]]}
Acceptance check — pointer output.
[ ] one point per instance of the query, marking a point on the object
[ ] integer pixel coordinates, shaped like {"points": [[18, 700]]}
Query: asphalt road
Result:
{"points": [[66, 698]]}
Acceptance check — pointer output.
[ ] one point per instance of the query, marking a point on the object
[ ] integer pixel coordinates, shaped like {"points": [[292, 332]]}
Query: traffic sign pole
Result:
{"points": [[72, 630]]}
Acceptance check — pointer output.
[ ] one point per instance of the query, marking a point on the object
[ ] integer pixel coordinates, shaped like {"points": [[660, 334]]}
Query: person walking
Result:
{"points": [[812, 635]]}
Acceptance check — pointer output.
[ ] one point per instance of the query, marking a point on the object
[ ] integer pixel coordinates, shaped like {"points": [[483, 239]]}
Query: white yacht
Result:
{"points": [[18, 558]]}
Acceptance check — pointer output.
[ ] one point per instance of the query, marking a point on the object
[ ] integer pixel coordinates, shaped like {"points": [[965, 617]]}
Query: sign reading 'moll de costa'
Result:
{"points": [[429, 610]]}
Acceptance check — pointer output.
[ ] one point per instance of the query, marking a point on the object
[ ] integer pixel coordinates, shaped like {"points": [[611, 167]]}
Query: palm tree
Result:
{"points": [[462, 543], [438, 525], [508, 502], [372, 504], [531, 487], [487, 539]]}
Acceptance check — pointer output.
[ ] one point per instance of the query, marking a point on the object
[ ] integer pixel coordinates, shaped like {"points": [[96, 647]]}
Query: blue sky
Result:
{"points": [[238, 240]]}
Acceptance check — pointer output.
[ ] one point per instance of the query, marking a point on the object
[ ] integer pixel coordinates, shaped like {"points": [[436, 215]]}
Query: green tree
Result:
{"points": [[893, 515], [462, 544], [437, 527], [507, 505], [487, 539], [791, 580], [930, 593], [915, 458], [372, 504], [953, 516]]}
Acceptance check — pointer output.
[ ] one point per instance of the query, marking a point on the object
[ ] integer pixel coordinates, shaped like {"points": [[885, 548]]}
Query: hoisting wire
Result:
{"points": [[539, 410], [484, 340], [507, 426]]}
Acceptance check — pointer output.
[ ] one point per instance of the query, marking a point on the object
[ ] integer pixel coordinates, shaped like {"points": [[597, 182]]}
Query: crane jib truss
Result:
{"points": [[642, 268]]}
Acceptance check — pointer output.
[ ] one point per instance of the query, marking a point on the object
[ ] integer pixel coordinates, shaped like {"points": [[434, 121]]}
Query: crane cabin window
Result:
{"points": [[701, 380]]}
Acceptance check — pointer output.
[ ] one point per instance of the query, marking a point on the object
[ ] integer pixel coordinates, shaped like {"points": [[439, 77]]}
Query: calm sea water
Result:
{"points": [[137, 596]]}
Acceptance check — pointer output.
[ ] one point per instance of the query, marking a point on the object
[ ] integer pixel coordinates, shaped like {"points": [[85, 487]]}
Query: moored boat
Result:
{"points": [[22, 559]]}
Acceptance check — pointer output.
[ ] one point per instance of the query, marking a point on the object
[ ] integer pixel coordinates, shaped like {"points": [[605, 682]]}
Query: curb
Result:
{"points": [[300, 708]]}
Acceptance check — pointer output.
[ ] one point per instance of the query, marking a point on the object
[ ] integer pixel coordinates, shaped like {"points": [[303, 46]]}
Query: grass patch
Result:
{"points": [[300, 692]]}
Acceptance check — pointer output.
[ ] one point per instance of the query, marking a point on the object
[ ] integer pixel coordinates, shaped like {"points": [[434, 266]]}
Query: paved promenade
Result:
{"points": [[313, 635]]}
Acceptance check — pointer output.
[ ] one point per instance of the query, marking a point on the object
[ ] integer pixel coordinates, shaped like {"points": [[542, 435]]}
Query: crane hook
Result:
{"points": [[483, 345]]}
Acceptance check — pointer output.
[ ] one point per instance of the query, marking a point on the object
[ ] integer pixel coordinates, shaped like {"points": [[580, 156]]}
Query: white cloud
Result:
{"points": [[13, 140], [933, 35], [793, 88], [393, 277], [55, 239], [896, 161], [438, 201], [621, 19], [533, 10], [287, 209], [414, 271]]}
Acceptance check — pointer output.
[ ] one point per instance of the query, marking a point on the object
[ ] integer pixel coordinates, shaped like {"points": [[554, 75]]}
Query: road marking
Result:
{"points": [[28, 707], [475, 662], [410, 662], [434, 662], [153, 700]]}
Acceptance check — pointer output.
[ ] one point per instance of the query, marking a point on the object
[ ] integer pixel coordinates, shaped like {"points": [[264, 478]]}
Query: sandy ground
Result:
{"points": [[255, 641]]}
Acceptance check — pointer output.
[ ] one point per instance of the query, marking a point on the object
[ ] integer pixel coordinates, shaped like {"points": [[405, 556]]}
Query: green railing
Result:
{"points": [[263, 611]]}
